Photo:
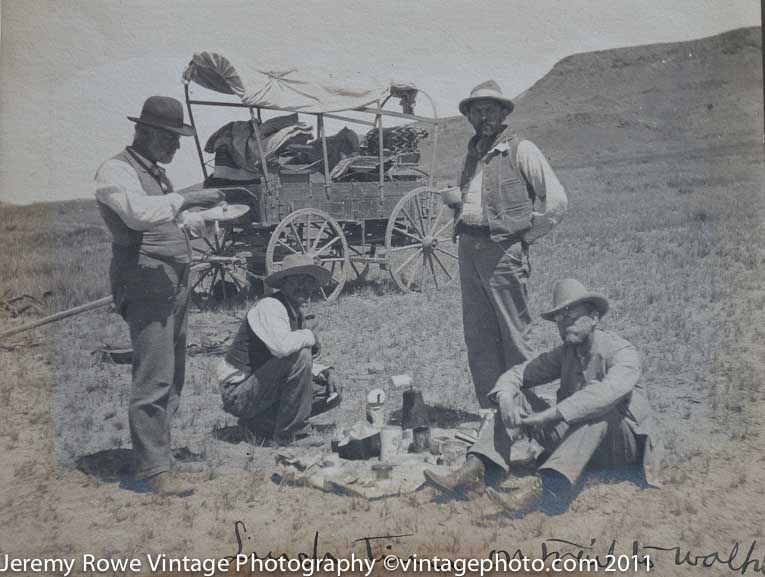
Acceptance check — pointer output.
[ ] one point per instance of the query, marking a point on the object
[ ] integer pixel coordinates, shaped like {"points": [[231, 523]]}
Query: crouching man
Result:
{"points": [[267, 377], [601, 416]]}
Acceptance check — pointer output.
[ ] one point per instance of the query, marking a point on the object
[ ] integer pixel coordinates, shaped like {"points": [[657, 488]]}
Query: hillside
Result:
{"points": [[630, 103]]}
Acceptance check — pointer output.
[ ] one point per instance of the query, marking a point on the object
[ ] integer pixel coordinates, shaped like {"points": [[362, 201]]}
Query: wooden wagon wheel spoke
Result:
{"points": [[210, 245], [443, 268], [297, 237], [416, 200], [406, 234], [328, 245], [414, 224], [433, 270], [437, 220], [202, 277], [426, 204], [407, 261], [419, 268], [419, 262], [406, 247], [446, 252], [318, 236], [288, 247]]}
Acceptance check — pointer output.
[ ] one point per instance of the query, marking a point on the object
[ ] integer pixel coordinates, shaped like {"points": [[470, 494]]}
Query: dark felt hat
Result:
{"points": [[164, 112]]}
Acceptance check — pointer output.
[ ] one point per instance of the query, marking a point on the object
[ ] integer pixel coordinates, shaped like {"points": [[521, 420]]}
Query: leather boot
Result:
{"points": [[520, 499], [469, 477]]}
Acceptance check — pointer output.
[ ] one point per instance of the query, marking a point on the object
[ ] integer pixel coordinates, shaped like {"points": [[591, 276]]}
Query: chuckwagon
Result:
{"points": [[348, 203]]}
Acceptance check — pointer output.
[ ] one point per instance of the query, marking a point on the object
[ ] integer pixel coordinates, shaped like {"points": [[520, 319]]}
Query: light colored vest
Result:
{"points": [[508, 198]]}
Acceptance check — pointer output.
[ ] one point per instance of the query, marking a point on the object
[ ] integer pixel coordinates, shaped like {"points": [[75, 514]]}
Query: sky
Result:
{"points": [[72, 70]]}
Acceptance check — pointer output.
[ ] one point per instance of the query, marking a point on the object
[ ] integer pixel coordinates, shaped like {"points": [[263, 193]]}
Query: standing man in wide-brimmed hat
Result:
{"points": [[268, 378], [601, 416], [149, 275], [510, 198]]}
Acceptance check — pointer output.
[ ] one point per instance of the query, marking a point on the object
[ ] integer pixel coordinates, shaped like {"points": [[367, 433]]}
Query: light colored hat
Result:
{"points": [[295, 264], [486, 90], [164, 112], [569, 292]]}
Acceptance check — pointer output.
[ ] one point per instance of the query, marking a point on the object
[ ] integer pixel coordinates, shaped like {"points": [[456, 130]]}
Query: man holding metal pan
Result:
{"points": [[268, 378], [149, 274]]}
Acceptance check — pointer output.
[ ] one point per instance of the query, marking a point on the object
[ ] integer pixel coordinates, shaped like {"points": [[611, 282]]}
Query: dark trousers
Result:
{"points": [[276, 399], [153, 297], [495, 310]]}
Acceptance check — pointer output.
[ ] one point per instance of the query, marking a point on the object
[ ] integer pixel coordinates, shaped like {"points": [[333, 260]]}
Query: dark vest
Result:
{"points": [[165, 241], [508, 197], [248, 353]]}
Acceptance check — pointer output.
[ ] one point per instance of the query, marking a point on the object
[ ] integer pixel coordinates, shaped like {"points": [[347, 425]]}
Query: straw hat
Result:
{"points": [[295, 264], [486, 90], [569, 292]]}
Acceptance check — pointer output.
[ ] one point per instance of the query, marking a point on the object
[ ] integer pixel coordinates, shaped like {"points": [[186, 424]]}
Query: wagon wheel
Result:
{"points": [[315, 233], [219, 271], [419, 250]]}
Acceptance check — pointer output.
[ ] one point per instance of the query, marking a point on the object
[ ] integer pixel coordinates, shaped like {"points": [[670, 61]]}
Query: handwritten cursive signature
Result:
{"points": [[732, 559]]}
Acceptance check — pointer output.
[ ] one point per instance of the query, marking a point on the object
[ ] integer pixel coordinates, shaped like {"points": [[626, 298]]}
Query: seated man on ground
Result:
{"points": [[267, 379], [601, 417]]}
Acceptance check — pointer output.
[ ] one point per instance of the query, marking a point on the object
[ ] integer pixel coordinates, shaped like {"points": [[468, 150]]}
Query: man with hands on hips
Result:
{"points": [[509, 197]]}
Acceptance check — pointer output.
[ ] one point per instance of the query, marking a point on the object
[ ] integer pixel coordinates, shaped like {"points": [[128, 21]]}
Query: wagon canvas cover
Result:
{"points": [[286, 89]]}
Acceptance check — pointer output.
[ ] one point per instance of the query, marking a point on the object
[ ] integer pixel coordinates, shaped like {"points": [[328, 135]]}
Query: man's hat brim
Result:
{"points": [[506, 103], [183, 130], [600, 302], [322, 275]]}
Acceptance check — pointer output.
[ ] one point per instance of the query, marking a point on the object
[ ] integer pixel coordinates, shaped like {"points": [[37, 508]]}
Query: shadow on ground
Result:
{"points": [[442, 417], [113, 465], [107, 466]]}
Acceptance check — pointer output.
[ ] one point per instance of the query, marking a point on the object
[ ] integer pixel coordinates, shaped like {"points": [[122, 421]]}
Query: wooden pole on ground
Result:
{"points": [[106, 301]]}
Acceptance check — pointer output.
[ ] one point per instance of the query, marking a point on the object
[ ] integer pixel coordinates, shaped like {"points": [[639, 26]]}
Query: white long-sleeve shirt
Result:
{"points": [[551, 201], [270, 321], [119, 188]]}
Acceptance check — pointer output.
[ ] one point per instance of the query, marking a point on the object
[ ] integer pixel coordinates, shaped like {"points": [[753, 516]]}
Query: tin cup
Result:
{"points": [[451, 195], [390, 441], [421, 441]]}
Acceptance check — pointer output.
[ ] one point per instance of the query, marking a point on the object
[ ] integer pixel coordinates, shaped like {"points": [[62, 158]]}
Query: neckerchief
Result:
{"points": [[154, 169]]}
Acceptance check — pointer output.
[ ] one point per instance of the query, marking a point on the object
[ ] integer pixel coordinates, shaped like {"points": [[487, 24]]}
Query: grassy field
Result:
{"points": [[673, 236]]}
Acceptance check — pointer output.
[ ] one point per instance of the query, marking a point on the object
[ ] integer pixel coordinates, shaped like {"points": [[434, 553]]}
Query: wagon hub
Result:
{"points": [[429, 244]]}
